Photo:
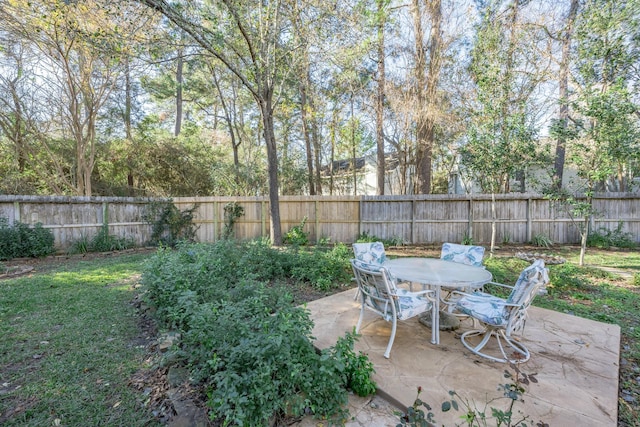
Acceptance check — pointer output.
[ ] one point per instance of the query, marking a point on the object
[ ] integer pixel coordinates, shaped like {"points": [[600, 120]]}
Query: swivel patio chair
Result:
{"points": [[463, 254], [379, 294], [500, 318]]}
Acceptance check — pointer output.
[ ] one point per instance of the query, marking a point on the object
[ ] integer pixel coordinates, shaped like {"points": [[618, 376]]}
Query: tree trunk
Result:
{"points": [[179, 100], [307, 138], [127, 126], [380, 169], [563, 87], [266, 110]]}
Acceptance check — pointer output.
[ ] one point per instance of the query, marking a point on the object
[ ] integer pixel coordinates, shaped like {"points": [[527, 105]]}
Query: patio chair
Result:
{"points": [[379, 293], [464, 254], [500, 318], [370, 253]]}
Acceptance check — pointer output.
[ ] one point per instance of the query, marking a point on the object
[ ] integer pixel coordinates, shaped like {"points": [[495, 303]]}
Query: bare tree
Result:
{"points": [[249, 40]]}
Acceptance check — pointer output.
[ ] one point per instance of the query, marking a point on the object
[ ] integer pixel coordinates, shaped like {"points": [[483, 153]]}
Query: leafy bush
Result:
{"points": [[365, 237], [467, 240], [541, 241], [320, 268], [297, 235], [356, 368], [170, 225], [232, 211], [101, 242], [20, 240], [604, 238], [242, 337]]}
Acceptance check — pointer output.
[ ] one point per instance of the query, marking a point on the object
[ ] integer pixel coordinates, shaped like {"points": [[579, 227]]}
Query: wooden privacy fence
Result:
{"points": [[420, 219]]}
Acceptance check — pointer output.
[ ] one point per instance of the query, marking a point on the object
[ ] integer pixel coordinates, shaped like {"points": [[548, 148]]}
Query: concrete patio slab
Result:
{"points": [[576, 361]]}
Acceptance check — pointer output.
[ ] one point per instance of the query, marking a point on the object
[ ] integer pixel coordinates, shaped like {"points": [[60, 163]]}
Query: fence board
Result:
{"points": [[410, 219]]}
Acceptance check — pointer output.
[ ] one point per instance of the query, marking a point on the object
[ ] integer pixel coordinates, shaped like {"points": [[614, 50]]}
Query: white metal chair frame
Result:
{"points": [[504, 317], [378, 293]]}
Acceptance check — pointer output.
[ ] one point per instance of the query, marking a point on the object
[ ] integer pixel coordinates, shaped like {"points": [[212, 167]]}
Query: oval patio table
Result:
{"points": [[438, 274]]}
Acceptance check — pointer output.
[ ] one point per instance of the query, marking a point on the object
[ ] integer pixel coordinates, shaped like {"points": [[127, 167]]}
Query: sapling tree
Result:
{"points": [[603, 133], [500, 139]]}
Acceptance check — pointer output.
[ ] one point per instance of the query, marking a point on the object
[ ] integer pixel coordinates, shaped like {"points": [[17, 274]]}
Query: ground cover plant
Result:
{"points": [[70, 342], [243, 337]]}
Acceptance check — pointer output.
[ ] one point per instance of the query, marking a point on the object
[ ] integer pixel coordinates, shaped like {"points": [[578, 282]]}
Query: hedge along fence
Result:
{"points": [[420, 219]]}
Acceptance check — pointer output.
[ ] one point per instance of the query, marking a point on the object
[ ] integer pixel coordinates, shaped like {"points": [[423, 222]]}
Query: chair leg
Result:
{"points": [[360, 318], [505, 343], [393, 337]]}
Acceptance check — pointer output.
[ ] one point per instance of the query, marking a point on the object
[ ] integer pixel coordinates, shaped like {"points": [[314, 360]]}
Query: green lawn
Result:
{"points": [[69, 342], [68, 347]]}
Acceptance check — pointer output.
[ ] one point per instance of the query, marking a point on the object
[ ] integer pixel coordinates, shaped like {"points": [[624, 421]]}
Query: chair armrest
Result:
{"points": [[498, 300], [499, 284], [429, 293]]}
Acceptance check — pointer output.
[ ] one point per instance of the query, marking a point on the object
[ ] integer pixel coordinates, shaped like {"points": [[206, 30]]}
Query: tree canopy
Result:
{"points": [[160, 98]]}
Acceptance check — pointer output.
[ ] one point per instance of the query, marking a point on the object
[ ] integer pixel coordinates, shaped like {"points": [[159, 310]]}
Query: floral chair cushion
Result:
{"points": [[465, 254], [371, 253], [376, 267], [484, 307], [531, 276], [410, 304]]}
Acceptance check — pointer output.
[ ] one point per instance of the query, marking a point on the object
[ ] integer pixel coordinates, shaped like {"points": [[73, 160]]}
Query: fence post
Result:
{"points": [[263, 219], [316, 210], [105, 216], [529, 219], [215, 220], [16, 212], [412, 235]]}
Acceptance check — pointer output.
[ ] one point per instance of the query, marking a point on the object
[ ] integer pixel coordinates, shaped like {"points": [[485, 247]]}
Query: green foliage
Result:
{"points": [[321, 268], [101, 242], [80, 246], [365, 237], [243, 338], [415, 415], [604, 238], [297, 236], [541, 241], [467, 239], [474, 414], [232, 211], [636, 279], [20, 240], [356, 368], [169, 224]]}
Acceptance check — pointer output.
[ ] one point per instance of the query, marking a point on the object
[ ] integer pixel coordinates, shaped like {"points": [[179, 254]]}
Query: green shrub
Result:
{"points": [[105, 242], [243, 339], [467, 240], [322, 269], [297, 236], [20, 240], [541, 241], [604, 238], [232, 211], [356, 368], [365, 237], [169, 225]]}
